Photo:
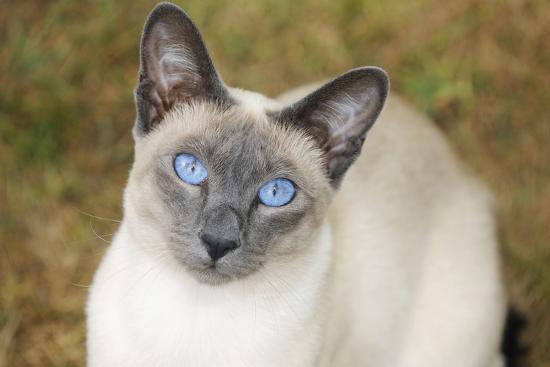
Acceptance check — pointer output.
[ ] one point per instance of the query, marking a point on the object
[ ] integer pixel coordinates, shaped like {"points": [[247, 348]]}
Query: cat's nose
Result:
{"points": [[217, 247]]}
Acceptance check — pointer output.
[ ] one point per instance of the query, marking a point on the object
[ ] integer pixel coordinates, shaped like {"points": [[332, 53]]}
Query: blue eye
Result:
{"points": [[190, 169], [277, 192]]}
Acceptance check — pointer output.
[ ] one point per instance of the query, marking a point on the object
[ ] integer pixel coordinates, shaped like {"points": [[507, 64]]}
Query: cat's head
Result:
{"points": [[225, 181]]}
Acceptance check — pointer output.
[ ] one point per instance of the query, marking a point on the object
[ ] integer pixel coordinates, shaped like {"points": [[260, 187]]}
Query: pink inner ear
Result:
{"points": [[347, 118], [157, 110], [172, 68], [177, 68]]}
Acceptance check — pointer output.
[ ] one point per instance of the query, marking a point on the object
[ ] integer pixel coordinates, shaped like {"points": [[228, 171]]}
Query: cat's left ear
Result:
{"points": [[175, 67], [339, 114]]}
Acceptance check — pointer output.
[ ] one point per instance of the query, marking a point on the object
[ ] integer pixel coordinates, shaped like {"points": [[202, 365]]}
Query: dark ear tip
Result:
{"points": [[162, 11], [165, 7], [374, 74], [382, 75]]}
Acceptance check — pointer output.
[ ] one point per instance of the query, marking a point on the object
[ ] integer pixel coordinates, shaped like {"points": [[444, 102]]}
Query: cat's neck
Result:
{"points": [[279, 305]]}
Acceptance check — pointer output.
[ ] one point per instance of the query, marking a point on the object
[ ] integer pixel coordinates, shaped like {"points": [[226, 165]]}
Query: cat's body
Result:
{"points": [[402, 271], [416, 277]]}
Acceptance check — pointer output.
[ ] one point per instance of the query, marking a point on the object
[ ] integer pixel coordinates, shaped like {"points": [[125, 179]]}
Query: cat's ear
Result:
{"points": [[174, 67], [339, 114]]}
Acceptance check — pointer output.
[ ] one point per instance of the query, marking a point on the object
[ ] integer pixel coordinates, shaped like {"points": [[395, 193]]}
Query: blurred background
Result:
{"points": [[480, 69]]}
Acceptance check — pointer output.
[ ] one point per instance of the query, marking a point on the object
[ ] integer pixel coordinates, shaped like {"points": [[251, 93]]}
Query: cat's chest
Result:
{"points": [[201, 328], [156, 317]]}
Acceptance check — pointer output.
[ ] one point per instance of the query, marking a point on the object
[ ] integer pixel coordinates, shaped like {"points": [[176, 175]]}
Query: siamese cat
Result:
{"points": [[256, 234]]}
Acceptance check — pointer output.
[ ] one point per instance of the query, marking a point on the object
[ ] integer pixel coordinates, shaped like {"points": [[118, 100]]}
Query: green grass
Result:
{"points": [[480, 69]]}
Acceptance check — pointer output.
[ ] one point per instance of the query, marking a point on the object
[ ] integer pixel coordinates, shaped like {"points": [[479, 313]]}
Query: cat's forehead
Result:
{"points": [[232, 130]]}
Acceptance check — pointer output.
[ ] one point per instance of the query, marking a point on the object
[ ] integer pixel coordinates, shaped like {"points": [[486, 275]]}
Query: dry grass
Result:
{"points": [[481, 69]]}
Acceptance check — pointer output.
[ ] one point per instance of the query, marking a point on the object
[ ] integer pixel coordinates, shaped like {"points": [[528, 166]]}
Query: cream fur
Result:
{"points": [[404, 272]]}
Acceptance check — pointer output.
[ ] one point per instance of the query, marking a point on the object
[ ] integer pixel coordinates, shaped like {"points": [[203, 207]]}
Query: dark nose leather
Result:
{"points": [[217, 247]]}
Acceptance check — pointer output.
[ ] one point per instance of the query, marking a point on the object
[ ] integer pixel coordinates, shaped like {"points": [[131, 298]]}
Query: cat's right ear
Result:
{"points": [[174, 67]]}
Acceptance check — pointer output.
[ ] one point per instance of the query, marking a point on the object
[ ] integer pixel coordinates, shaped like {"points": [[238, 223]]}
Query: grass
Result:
{"points": [[480, 69]]}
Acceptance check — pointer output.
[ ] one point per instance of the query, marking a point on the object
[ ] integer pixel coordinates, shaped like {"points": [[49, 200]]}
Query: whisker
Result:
{"points": [[282, 296], [98, 217], [97, 234], [157, 260], [131, 265]]}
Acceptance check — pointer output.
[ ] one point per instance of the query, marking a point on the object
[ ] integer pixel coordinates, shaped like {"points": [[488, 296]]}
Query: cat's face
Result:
{"points": [[240, 153], [226, 180]]}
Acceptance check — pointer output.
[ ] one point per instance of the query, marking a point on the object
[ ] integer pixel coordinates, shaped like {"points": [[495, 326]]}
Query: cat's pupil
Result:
{"points": [[274, 191], [192, 168]]}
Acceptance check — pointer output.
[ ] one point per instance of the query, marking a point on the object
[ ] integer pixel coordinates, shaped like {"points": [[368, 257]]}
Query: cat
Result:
{"points": [[255, 234]]}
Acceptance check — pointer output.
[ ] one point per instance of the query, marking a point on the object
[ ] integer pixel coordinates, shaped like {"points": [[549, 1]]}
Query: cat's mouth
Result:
{"points": [[206, 270], [217, 273], [212, 274]]}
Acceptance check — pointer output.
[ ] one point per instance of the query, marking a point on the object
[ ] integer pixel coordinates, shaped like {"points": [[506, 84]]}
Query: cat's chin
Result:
{"points": [[211, 275]]}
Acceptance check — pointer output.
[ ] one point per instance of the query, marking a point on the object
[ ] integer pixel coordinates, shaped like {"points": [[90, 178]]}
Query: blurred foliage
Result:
{"points": [[480, 69]]}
